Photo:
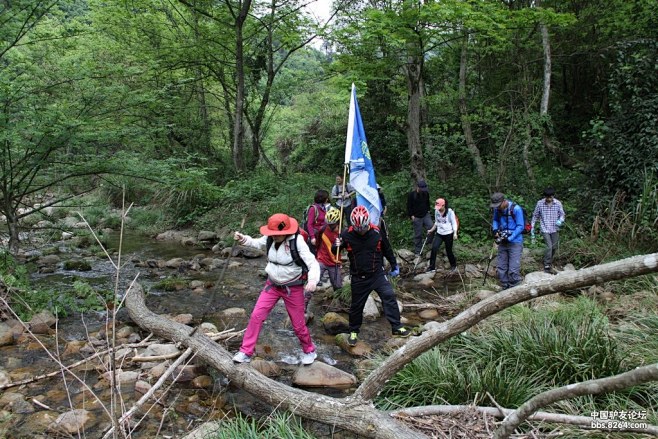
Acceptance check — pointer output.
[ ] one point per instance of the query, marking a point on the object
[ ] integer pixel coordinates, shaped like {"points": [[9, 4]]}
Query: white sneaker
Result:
{"points": [[241, 357], [309, 358]]}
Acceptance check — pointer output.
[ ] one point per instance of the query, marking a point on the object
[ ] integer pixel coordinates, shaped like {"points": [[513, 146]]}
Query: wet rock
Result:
{"points": [[202, 382], [6, 335], [71, 422], [74, 347], [36, 423], [364, 367], [208, 328], [207, 236], [234, 264], [8, 398], [184, 374], [196, 284], [77, 265], [125, 331], [267, 368], [334, 323], [233, 313], [320, 374], [48, 260], [183, 319], [361, 349], [142, 387], [157, 371], [188, 241], [42, 322], [428, 314], [13, 363], [174, 263]]}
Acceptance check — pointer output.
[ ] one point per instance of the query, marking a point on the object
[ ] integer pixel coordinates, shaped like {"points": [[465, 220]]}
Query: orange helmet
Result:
{"points": [[360, 218]]}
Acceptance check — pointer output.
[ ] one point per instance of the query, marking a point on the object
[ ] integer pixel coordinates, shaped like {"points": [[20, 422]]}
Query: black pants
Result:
{"points": [[436, 244], [361, 288]]}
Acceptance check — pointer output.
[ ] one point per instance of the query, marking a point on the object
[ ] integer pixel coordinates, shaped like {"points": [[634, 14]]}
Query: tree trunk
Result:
{"points": [[350, 413], [546, 89], [414, 72], [565, 281], [463, 110], [238, 121], [14, 233]]}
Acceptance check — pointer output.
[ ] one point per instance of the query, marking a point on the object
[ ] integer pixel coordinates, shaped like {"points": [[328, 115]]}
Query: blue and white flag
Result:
{"points": [[357, 154]]}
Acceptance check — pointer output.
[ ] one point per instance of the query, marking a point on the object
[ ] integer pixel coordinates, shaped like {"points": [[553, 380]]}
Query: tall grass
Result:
{"points": [[523, 352], [277, 426]]}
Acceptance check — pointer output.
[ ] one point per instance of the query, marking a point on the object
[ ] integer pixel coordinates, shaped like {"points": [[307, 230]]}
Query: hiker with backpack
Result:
{"points": [[551, 215], [445, 230], [366, 251], [418, 210], [343, 197], [328, 255], [314, 218], [291, 271], [508, 226]]}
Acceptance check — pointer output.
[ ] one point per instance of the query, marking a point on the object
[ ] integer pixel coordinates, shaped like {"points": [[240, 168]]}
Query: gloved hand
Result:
{"points": [[338, 242], [395, 271], [559, 222]]}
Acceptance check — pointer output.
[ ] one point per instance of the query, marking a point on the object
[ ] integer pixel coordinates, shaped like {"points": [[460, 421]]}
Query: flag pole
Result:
{"points": [[340, 221]]}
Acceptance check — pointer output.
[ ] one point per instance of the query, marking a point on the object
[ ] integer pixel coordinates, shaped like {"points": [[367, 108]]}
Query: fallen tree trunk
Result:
{"points": [[622, 381], [564, 281], [349, 413]]}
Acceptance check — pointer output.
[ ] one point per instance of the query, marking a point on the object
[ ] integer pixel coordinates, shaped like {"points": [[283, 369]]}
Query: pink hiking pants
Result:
{"points": [[293, 298]]}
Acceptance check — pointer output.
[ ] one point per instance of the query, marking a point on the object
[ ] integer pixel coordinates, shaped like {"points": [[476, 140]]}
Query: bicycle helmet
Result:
{"points": [[360, 219], [332, 216]]}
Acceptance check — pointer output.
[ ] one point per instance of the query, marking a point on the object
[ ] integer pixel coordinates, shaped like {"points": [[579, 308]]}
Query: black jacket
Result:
{"points": [[418, 204], [366, 252]]}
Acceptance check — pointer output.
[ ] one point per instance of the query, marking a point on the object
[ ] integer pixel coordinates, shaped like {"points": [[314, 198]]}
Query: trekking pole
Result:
{"points": [[486, 272], [420, 255], [219, 280]]}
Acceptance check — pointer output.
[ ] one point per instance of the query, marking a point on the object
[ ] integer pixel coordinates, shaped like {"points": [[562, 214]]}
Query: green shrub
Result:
{"points": [[276, 426]]}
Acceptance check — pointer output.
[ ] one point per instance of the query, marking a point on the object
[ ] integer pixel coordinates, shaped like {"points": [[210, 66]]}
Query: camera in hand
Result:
{"points": [[502, 236]]}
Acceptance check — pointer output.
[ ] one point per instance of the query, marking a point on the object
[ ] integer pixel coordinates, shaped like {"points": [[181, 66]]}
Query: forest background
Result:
{"points": [[205, 111]]}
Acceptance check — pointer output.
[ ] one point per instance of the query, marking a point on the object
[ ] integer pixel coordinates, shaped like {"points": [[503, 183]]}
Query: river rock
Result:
{"points": [[184, 374], [428, 314], [370, 310], [48, 260], [233, 313], [569, 267], [320, 374], [16, 403], [361, 349], [157, 371], [267, 368], [142, 387], [6, 334], [42, 322], [536, 276], [202, 382], [38, 422], [472, 271], [334, 323], [174, 263], [183, 319], [71, 422], [77, 265], [73, 347], [125, 331], [205, 235], [4, 377], [426, 282]]}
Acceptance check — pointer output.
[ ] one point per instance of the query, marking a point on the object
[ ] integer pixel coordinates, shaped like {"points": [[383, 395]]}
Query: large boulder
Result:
{"points": [[333, 323], [320, 374], [42, 322]]}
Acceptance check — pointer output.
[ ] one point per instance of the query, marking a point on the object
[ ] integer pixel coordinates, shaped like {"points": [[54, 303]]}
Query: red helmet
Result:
{"points": [[360, 218]]}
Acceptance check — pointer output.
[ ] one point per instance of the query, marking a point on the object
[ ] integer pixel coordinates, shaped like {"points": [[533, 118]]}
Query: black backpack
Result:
{"points": [[296, 258]]}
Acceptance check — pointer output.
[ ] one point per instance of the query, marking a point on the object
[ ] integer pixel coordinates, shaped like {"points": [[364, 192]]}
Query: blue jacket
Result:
{"points": [[510, 220]]}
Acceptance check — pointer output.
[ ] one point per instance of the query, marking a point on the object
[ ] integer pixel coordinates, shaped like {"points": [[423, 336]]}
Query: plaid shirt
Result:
{"points": [[548, 213]]}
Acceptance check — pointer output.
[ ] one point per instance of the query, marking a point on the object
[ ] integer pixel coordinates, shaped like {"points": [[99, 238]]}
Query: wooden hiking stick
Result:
{"points": [[219, 280]]}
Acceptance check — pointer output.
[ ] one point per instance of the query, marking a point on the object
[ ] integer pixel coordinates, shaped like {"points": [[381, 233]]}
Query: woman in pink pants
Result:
{"points": [[291, 270]]}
